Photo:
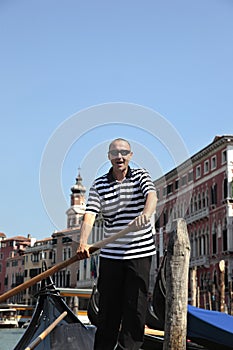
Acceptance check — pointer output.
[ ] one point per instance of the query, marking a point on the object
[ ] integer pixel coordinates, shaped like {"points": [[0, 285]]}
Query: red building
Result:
{"points": [[10, 248], [201, 191]]}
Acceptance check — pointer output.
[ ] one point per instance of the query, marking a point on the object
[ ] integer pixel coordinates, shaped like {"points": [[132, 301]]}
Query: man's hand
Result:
{"points": [[83, 251], [140, 221]]}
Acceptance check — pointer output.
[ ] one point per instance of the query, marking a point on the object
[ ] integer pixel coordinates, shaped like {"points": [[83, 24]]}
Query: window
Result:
{"points": [[177, 182], [164, 191], [169, 188], [203, 200], [184, 180], [225, 188], [198, 171], [224, 233], [35, 257], [165, 217], [66, 239], [191, 206], [206, 166], [224, 156], [214, 239], [207, 197], [213, 162], [199, 201], [214, 194], [195, 203], [64, 254], [190, 176]]}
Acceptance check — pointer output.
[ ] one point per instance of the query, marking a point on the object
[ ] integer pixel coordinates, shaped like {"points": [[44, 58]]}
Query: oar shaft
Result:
{"points": [[46, 332], [94, 247]]}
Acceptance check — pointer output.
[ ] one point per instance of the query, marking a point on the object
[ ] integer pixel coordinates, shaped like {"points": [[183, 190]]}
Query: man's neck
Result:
{"points": [[120, 175]]}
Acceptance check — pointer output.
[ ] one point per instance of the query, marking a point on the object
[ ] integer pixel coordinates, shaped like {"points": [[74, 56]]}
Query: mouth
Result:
{"points": [[119, 162]]}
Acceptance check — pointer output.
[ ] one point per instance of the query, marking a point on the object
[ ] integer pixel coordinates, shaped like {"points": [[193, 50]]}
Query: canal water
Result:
{"points": [[9, 337]]}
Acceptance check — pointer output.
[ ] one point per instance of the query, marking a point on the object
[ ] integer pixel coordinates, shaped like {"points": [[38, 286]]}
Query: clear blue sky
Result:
{"points": [[60, 58]]}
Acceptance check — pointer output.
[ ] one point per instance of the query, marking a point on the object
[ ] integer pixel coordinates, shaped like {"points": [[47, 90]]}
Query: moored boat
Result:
{"points": [[8, 318], [69, 334]]}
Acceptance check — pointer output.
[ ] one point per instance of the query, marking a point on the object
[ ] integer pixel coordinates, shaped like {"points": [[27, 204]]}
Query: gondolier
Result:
{"points": [[122, 196]]}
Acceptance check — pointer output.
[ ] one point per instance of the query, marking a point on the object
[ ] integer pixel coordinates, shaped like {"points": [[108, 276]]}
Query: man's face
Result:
{"points": [[119, 155]]}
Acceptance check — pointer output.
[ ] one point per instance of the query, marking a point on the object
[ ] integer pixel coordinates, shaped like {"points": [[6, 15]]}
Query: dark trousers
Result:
{"points": [[123, 287]]}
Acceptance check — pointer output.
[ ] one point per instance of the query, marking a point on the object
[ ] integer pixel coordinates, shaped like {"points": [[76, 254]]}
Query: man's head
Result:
{"points": [[120, 154]]}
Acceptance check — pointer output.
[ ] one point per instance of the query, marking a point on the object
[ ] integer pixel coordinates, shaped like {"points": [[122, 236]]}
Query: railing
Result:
{"points": [[198, 215], [39, 248], [199, 261]]}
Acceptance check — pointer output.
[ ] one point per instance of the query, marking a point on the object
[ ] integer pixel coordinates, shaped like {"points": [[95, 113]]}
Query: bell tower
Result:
{"points": [[77, 203]]}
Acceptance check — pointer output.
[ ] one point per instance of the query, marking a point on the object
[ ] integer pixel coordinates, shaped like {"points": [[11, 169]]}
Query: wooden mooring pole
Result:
{"points": [[177, 270]]}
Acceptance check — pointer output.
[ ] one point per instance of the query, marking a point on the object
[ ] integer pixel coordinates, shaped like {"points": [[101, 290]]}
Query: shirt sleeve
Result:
{"points": [[93, 203], [146, 183]]}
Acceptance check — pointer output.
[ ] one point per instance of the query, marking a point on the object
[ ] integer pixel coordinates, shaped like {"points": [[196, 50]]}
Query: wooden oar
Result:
{"points": [[94, 247], [46, 332]]}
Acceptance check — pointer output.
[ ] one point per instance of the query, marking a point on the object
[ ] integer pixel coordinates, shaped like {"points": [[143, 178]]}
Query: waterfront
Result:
{"points": [[9, 337]]}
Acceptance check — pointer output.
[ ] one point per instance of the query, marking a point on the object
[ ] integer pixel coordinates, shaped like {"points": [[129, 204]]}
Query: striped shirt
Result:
{"points": [[120, 203]]}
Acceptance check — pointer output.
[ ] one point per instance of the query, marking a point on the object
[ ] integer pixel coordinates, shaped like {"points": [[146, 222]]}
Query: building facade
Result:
{"points": [[41, 252], [200, 191], [11, 257]]}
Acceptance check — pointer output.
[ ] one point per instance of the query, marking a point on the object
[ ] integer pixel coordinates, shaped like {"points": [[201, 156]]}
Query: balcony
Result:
{"points": [[39, 248], [199, 261], [198, 215]]}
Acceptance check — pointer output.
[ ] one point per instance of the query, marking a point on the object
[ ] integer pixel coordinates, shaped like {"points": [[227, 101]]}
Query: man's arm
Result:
{"points": [[149, 209], [87, 225]]}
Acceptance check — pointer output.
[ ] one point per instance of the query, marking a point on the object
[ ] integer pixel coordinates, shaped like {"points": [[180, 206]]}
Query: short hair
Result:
{"points": [[119, 139]]}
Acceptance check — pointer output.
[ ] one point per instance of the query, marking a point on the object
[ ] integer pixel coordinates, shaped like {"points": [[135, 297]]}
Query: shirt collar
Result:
{"points": [[111, 177]]}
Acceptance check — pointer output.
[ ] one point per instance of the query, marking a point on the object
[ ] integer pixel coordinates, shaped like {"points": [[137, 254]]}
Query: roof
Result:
{"points": [[18, 238]]}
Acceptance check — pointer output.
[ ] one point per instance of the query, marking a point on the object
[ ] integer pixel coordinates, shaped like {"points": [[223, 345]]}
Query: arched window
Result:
{"points": [[199, 201], [195, 203], [225, 188], [64, 254], [191, 205], [191, 245], [214, 238], [214, 194], [203, 200], [224, 235], [207, 197]]}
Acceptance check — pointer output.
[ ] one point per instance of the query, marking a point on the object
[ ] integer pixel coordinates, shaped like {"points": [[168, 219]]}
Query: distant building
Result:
{"points": [[201, 191], [35, 256], [11, 252]]}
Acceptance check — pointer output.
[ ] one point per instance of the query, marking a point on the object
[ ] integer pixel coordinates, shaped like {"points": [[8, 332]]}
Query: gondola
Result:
{"points": [[69, 334]]}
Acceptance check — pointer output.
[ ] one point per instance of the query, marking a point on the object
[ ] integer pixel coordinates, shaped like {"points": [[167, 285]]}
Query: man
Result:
{"points": [[123, 196]]}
